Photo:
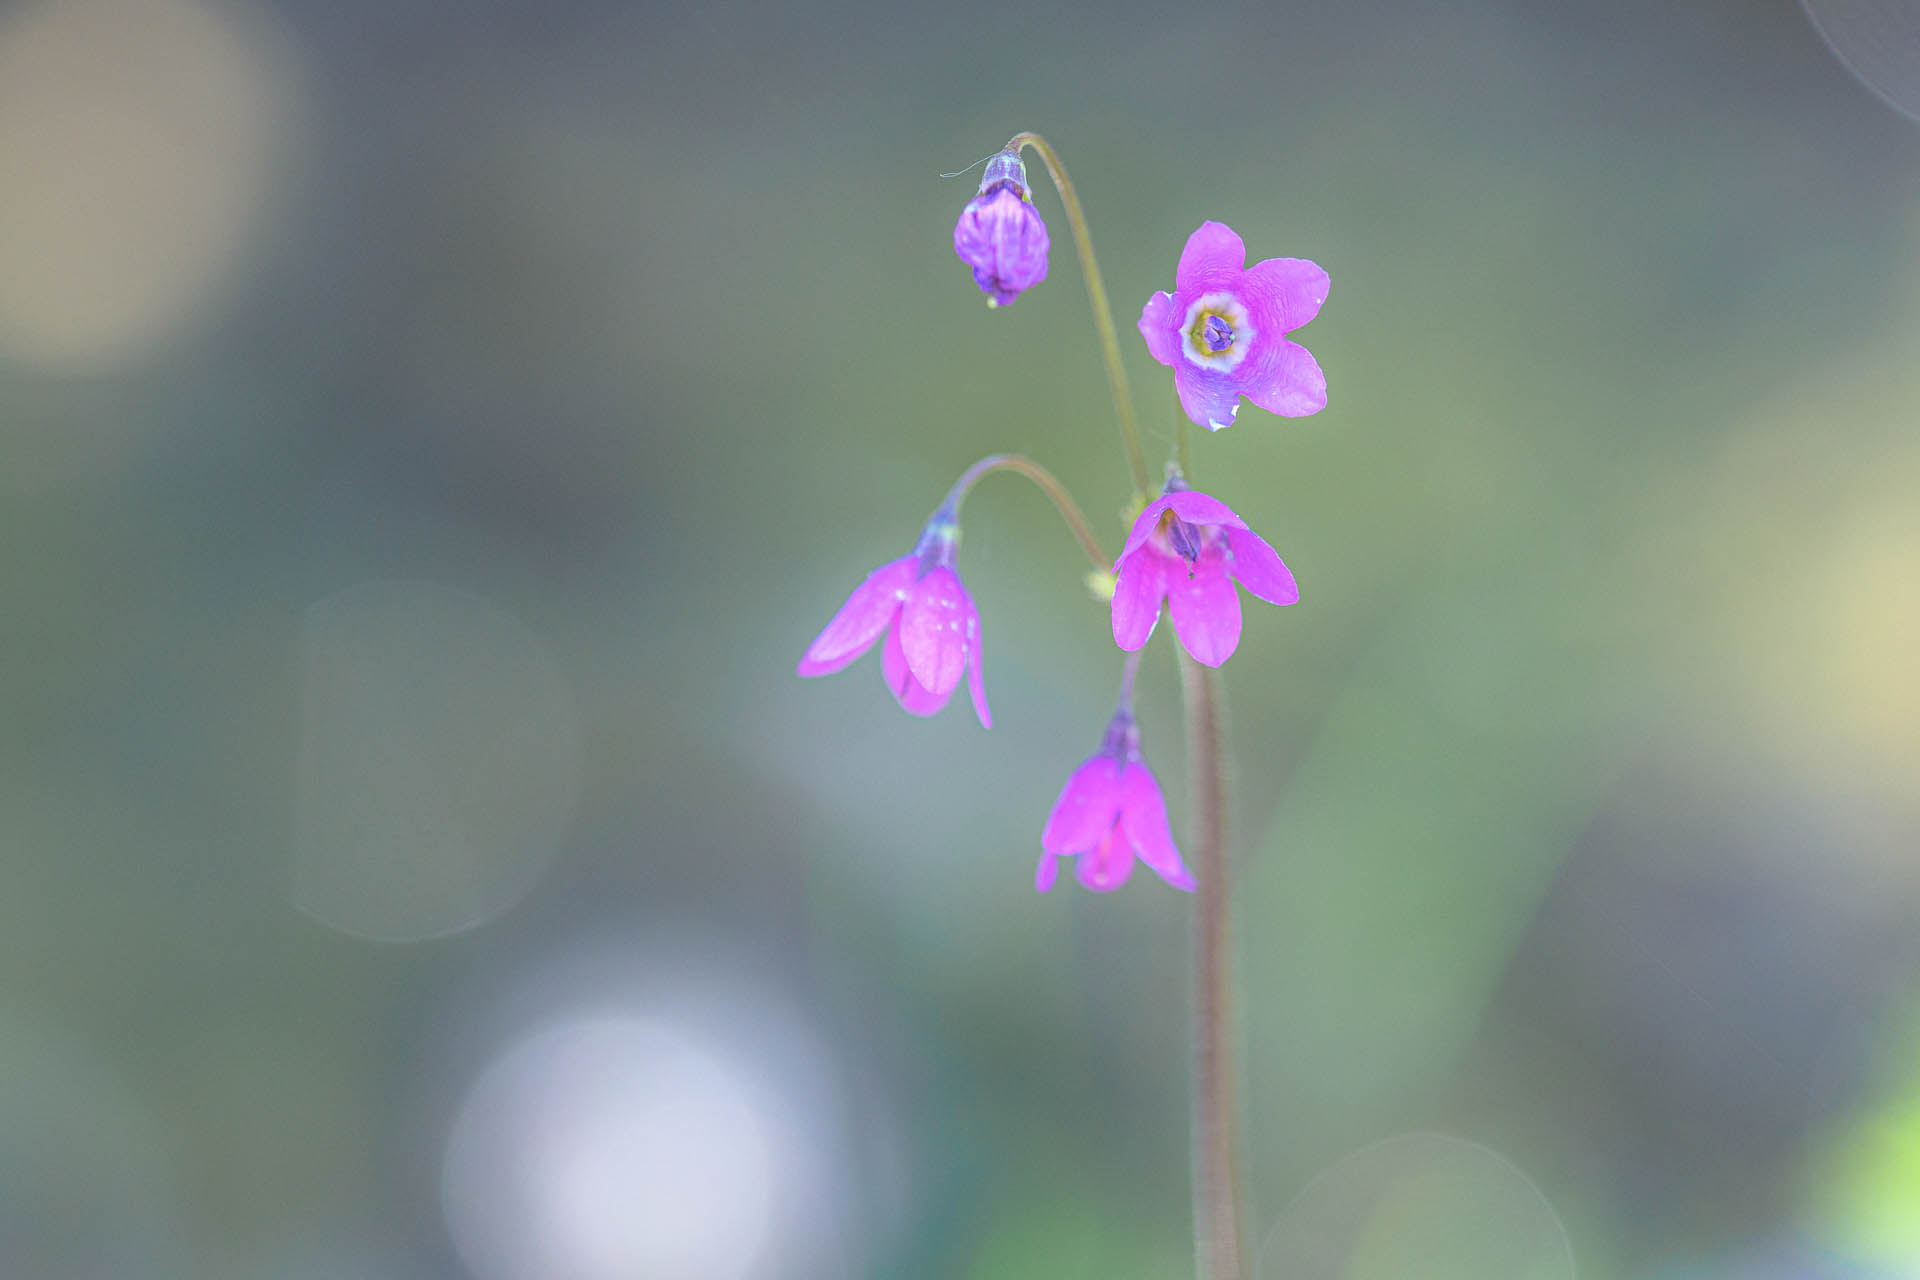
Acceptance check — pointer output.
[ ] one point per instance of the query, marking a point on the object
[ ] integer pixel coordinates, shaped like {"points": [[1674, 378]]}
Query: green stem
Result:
{"points": [[1128, 670], [1216, 1165], [1048, 484], [1180, 430], [1102, 309]]}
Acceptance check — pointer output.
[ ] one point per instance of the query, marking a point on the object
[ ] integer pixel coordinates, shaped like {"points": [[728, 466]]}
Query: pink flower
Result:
{"points": [[932, 628], [1225, 329], [1109, 812], [1000, 234], [1189, 548]]}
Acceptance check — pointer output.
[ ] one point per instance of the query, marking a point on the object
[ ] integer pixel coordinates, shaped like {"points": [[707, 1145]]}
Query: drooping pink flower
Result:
{"points": [[1000, 234], [1109, 813], [1224, 330], [1188, 549], [932, 629]]}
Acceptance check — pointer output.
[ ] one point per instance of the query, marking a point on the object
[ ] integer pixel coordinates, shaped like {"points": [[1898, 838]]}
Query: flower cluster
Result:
{"points": [[1224, 332]]}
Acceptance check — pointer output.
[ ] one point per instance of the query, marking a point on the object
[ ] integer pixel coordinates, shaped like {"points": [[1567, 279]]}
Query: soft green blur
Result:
{"points": [[430, 434]]}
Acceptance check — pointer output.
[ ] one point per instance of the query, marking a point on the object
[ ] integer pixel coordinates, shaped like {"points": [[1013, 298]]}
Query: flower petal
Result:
{"points": [[1196, 507], [933, 630], [1157, 325], [1143, 527], [1205, 609], [1258, 568], [1087, 808], [1108, 865], [1214, 251], [1211, 400], [1047, 872], [1143, 813], [913, 697], [976, 679], [1285, 293], [861, 619], [1137, 593], [1285, 379]]}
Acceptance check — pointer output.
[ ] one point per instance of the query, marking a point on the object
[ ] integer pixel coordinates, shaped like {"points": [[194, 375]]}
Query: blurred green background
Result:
{"points": [[430, 433]]}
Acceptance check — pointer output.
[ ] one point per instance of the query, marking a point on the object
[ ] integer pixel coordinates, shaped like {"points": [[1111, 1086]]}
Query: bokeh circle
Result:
{"points": [[1879, 42], [438, 761], [1421, 1204]]}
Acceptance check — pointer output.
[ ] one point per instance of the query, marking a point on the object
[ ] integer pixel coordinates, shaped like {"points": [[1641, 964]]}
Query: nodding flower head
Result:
{"points": [[932, 629], [1109, 813], [1188, 549], [1224, 330], [1000, 234]]}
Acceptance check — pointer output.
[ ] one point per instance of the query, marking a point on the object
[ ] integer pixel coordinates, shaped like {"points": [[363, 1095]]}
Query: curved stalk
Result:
{"points": [[1048, 484], [1102, 309]]}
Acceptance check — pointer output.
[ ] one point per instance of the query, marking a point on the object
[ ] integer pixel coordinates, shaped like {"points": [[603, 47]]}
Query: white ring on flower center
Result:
{"points": [[1228, 308]]}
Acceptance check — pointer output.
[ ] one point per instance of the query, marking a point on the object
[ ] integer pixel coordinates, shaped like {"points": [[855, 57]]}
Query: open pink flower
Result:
{"points": [[932, 628], [1110, 812], [1188, 548], [1225, 330]]}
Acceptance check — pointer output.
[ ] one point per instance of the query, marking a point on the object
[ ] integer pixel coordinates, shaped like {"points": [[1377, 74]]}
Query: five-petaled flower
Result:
{"points": [[932, 628], [1225, 329], [1188, 548], [1109, 812], [1000, 234]]}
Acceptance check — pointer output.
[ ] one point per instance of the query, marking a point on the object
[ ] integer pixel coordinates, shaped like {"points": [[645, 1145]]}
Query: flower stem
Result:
{"points": [[1102, 310], [1048, 484], [1180, 429], [1127, 674], [1216, 1164]]}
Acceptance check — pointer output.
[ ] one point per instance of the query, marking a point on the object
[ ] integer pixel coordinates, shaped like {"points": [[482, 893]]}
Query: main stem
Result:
{"points": [[1216, 1164], [1102, 310]]}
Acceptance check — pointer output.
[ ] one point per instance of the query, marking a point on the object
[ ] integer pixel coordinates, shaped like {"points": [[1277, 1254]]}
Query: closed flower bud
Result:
{"points": [[1000, 234]]}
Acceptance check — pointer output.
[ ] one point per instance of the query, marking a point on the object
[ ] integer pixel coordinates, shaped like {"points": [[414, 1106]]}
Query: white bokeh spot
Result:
{"points": [[612, 1148]]}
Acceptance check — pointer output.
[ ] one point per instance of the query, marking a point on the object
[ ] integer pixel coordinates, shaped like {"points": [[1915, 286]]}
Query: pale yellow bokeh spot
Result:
{"points": [[1793, 553], [139, 140], [1871, 640]]}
